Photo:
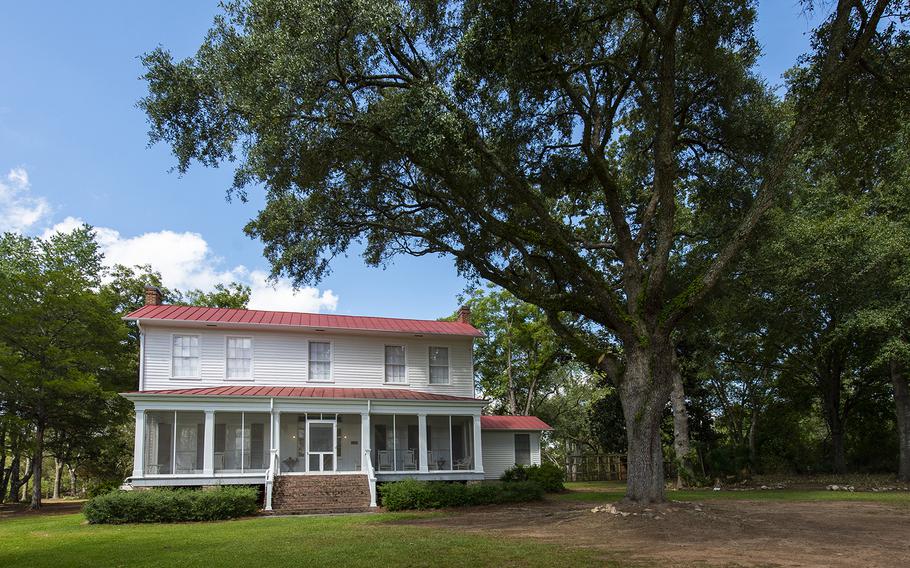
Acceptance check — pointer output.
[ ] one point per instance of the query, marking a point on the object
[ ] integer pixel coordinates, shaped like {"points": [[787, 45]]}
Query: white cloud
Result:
{"points": [[19, 210], [186, 261]]}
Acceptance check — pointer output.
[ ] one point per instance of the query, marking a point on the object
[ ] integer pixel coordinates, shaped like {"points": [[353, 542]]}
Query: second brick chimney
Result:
{"points": [[152, 296], [464, 315]]}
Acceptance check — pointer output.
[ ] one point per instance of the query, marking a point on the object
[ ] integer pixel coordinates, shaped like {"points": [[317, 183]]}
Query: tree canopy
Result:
{"points": [[604, 161]]}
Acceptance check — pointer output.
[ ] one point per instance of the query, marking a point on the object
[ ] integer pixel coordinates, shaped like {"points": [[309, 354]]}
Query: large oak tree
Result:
{"points": [[569, 152]]}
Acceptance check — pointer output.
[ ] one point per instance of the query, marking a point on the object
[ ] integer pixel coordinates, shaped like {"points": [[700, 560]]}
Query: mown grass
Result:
{"points": [[610, 491], [349, 540]]}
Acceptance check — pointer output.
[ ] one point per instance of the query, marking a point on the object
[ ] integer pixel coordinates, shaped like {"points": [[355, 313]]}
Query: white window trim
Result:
{"points": [[331, 361], [385, 377], [197, 377], [448, 365], [252, 358]]}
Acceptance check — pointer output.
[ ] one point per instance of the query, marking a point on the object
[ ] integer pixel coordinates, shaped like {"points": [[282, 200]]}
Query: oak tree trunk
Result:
{"points": [[680, 429], [58, 477], [3, 473], [37, 460], [753, 432], [644, 392], [902, 407], [72, 471]]}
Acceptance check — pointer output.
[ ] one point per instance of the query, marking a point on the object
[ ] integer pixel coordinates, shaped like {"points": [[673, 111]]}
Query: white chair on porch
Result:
{"points": [[385, 460], [408, 460]]}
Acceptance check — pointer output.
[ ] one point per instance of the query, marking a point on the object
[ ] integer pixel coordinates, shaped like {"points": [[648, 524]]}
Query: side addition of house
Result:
{"points": [[315, 408]]}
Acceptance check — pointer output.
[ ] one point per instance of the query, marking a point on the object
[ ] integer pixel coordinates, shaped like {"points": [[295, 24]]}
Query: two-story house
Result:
{"points": [[315, 408]]}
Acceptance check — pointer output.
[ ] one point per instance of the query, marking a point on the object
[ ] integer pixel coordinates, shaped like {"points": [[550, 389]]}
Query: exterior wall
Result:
{"points": [[280, 359], [499, 451]]}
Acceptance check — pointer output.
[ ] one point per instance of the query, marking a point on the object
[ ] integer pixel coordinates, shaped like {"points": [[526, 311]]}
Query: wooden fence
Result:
{"points": [[596, 467]]}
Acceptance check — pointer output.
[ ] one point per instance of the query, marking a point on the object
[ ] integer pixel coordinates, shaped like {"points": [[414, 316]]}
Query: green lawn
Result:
{"points": [[608, 491], [351, 540]]}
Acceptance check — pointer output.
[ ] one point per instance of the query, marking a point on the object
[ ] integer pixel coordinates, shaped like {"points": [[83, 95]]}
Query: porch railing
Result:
{"points": [[371, 476]]}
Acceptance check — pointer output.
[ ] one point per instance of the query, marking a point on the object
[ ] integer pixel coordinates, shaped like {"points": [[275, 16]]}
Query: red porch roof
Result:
{"points": [[513, 423], [300, 319], [310, 392]]}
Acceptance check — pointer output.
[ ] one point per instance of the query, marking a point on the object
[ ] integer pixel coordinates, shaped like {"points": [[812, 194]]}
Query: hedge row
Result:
{"points": [[172, 505], [412, 494], [548, 475]]}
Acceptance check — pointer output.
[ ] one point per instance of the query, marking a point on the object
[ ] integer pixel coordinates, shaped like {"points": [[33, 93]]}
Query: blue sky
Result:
{"points": [[73, 146]]}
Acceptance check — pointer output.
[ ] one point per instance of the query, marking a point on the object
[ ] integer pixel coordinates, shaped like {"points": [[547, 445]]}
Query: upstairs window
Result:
{"points": [[439, 365], [239, 358], [320, 361], [395, 364], [185, 363]]}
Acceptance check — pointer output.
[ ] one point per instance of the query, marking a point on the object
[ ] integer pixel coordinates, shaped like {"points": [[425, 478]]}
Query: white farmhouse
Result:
{"points": [[315, 408]]}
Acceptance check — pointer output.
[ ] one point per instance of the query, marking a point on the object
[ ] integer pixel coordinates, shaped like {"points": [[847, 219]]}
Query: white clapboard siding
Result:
{"points": [[280, 359], [499, 451]]}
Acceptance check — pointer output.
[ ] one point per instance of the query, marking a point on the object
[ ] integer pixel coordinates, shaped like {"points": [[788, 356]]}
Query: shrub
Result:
{"points": [[101, 487], [168, 506], [548, 476], [413, 494]]}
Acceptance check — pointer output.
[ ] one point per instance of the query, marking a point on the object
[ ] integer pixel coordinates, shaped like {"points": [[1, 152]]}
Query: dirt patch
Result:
{"points": [[737, 533], [48, 507]]}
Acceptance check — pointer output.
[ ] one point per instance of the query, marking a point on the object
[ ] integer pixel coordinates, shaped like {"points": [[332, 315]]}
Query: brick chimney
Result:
{"points": [[464, 315], [152, 296]]}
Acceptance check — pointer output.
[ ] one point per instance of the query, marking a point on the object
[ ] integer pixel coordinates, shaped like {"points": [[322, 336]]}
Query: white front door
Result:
{"points": [[321, 440]]}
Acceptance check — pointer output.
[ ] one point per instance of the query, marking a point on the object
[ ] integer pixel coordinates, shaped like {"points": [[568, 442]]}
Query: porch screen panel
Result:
{"points": [[439, 440], [383, 442], [406, 442], [190, 439], [462, 442], [257, 436], [229, 457], [159, 431]]}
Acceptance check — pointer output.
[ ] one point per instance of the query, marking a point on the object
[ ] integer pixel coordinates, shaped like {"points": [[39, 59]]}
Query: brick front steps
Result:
{"points": [[321, 494]]}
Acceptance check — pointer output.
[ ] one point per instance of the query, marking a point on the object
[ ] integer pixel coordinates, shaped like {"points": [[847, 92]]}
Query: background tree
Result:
{"points": [[568, 153], [518, 361], [60, 344]]}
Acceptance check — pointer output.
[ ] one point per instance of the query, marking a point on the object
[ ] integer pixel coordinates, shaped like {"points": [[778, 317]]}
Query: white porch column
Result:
{"points": [[139, 444], [208, 444], [478, 446], [422, 445], [364, 440]]}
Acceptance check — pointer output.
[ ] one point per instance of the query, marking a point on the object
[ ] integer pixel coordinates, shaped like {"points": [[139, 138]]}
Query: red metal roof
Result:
{"points": [[300, 319], [513, 423], [311, 392]]}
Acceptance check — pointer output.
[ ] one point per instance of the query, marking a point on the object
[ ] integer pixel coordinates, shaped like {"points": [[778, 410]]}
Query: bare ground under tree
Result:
{"points": [[726, 533]]}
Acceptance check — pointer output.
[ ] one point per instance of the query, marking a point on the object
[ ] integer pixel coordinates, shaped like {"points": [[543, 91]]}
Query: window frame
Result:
{"points": [[385, 365], [430, 365], [515, 448], [227, 340], [309, 360], [198, 375]]}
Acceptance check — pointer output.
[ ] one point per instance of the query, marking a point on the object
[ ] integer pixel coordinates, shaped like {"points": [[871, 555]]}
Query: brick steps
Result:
{"points": [[321, 494]]}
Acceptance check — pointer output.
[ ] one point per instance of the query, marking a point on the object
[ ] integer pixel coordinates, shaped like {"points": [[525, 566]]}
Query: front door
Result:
{"points": [[321, 442]]}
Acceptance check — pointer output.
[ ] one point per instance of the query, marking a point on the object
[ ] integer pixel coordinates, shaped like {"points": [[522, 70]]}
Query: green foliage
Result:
{"points": [[98, 488], [171, 505], [413, 494], [519, 359], [548, 476]]}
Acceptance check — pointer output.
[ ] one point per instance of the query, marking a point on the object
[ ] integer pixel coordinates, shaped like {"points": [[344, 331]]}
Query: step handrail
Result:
{"points": [[371, 476], [270, 478]]}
